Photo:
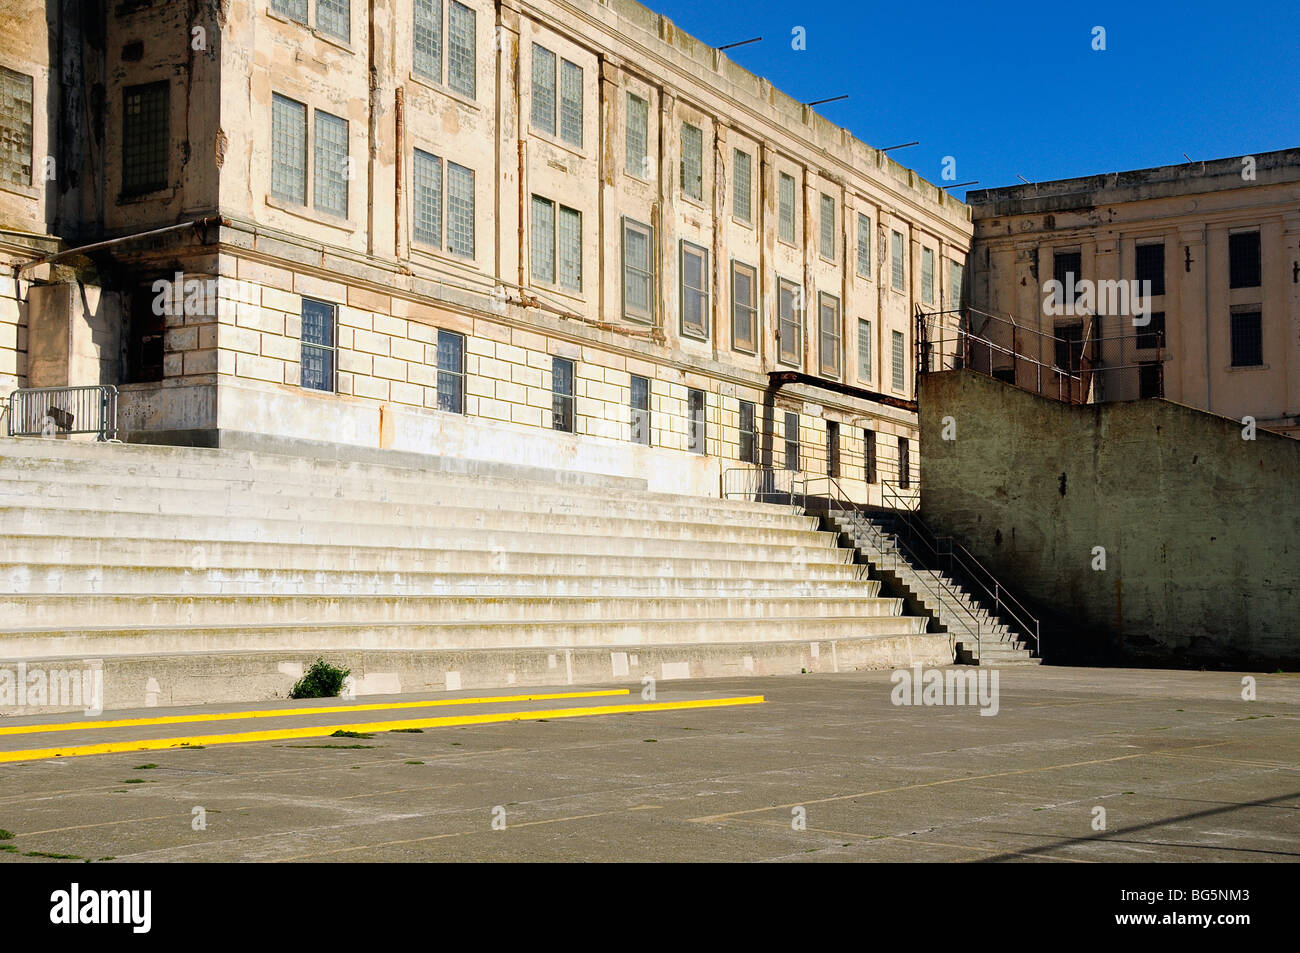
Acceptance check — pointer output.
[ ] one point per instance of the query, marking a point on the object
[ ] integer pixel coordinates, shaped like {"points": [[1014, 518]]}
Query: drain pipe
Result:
{"points": [[84, 249]]}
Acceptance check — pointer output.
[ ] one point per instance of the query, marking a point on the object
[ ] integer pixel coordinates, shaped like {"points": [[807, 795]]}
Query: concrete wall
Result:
{"points": [[1201, 528]]}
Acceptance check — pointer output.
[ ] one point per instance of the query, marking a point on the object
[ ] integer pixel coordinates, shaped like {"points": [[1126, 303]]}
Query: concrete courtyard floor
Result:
{"points": [[1185, 769]]}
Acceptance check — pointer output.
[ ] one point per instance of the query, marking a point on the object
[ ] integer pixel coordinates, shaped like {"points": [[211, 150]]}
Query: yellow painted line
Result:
{"points": [[282, 734], [292, 712]]}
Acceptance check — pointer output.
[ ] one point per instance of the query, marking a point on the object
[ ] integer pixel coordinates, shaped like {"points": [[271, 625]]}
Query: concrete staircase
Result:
{"points": [[979, 637], [201, 575]]}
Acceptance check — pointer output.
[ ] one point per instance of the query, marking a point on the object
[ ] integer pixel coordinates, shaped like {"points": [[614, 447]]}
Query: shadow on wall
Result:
{"points": [[1142, 533]]}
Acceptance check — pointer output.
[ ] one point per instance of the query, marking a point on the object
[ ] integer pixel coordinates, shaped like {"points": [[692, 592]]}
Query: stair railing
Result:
{"points": [[949, 554], [899, 553]]}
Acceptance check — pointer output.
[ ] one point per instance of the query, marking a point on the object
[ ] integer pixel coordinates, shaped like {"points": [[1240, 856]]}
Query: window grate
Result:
{"points": [[697, 424], [1152, 334], [335, 18], [927, 276], [1067, 266], [1247, 339], [638, 271], [692, 162], [331, 180], [899, 273], [293, 9], [570, 249], [543, 251], [829, 331], [871, 473], [744, 186], [956, 282], [864, 350], [640, 407], [428, 39], [15, 127], [828, 228], [145, 137], [904, 463], [543, 111], [792, 441], [748, 433], [832, 449], [427, 201], [864, 246], [451, 372], [571, 103], [1149, 265], [288, 150], [899, 380], [460, 210], [461, 56], [318, 347], [562, 394], [786, 211], [790, 322], [638, 134], [1243, 260]]}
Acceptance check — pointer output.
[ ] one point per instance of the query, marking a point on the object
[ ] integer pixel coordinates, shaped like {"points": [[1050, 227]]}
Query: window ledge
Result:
{"points": [[310, 214], [345, 45], [557, 142], [439, 255], [1235, 368], [26, 191], [443, 89]]}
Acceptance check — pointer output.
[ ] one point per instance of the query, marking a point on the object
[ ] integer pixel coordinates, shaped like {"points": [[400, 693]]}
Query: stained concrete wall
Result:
{"points": [[1201, 528]]}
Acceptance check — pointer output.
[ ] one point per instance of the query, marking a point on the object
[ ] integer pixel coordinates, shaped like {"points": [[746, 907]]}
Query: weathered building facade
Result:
{"points": [[1219, 244], [559, 233]]}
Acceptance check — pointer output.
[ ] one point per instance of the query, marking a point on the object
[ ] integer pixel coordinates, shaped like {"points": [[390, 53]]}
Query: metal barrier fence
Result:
{"points": [[60, 411], [765, 485]]}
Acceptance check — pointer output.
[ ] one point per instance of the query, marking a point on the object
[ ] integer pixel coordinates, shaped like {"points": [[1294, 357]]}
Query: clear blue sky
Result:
{"points": [[1015, 87]]}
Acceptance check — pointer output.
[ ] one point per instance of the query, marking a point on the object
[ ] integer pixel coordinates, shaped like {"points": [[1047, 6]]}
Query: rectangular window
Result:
{"points": [[744, 308], [638, 271], [293, 9], [460, 210], [543, 241], [543, 89], [462, 58], [16, 112], [832, 448], [427, 201], [288, 149], [1069, 347], [829, 330], [427, 32], [638, 137], [827, 223], [331, 179], [697, 435], [748, 434], [956, 281], [864, 246], [1067, 267], [569, 249], [562, 394], [640, 405], [792, 441], [1243, 260], [1247, 339], [898, 355], [786, 210], [927, 276], [1152, 334], [789, 322], [904, 463], [695, 290], [146, 138], [335, 18], [864, 350], [451, 372], [899, 274], [1151, 381], [692, 162], [743, 185], [871, 473], [318, 348], [571, 103], [1149, 265]]}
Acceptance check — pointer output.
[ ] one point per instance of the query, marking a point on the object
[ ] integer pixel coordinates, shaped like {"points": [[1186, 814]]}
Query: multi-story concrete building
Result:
{"points": [[1219, 244], [559, 232]]}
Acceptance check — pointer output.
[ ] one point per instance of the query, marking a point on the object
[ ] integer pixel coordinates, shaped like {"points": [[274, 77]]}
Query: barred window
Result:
{"points": [[1247, 339], [871, 472], [562, 394], [1068, 346], [927, 276], [744, 307], [543, 257], [864, 245], [331, 180], [638, 134], [695, 290], [451, 372], [904, 463], [335, 18], [1243, 260], [692, 162], [460, 210], [638, 271], [318, 349], [697, 425], [786, 210], [1151, 379], [743, 185], [829, 352], [956, 281], [427, 201], [543, 89], [569, 249], [293, 9], [832, 448], [899, 356], [896, 260], [792, 441], [146, 137], [748, 433], [828, 228], [428, 39], [288, 149], [461, 57], [640, 407], [789, 322], [1067, 269], [1152, 334], [1149, 265], [571, 103], [15, 127], [864, 350]]}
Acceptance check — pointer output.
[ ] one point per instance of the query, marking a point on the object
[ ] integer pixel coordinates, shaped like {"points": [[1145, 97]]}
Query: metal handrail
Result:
{"points": [[897, 548], [1027, 623], [760, 484]]}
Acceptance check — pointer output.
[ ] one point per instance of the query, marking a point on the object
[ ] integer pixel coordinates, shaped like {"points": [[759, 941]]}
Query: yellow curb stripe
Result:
{"points": [[282, 734], [292, 712]]}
